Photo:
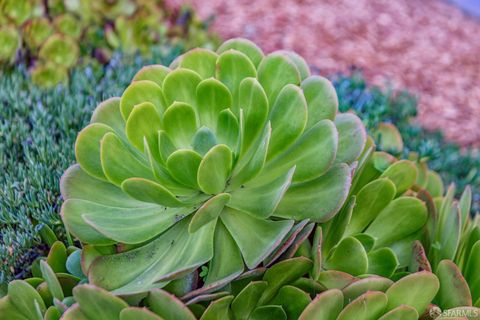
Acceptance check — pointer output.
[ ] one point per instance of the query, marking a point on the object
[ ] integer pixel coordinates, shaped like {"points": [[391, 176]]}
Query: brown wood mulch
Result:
{"points": [[427, 46]]}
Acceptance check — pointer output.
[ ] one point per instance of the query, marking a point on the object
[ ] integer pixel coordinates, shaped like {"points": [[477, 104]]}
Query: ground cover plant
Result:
{"points": [[263, 202], [53, 36]]}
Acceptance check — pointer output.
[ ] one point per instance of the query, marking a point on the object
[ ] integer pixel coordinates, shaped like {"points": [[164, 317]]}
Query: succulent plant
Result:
{"points": [[282, 291], [220, 153], [447, 244], [47, 294], [49, 75], [10, 40], [36, 31], [52, 34], [452, 246], [60, 50], [68, 25], [378, 224], [388, 138], [17, 11]]}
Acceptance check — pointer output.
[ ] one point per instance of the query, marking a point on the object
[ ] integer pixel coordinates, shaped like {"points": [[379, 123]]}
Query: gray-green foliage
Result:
{"points": [[37, 133]]}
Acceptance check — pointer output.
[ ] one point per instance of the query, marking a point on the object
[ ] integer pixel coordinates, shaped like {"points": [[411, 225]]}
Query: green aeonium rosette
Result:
{"points": [[210, 160]]}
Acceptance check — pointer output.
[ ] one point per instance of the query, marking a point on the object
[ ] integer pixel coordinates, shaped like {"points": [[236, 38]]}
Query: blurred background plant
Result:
{"points": [[52, 36]]}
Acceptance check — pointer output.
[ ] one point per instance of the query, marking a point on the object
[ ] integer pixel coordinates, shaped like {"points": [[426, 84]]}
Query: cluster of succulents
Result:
{"points": [[228, 186], [52, 35]]}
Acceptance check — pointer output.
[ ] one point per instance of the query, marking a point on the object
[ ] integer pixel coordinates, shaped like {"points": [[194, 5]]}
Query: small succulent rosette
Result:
{"points": [[10, 40], [211, 160]]}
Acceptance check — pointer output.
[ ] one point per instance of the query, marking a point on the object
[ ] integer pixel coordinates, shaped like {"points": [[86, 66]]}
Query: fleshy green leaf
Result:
{"points": [[154, 72], [276, 71], [57, 257], [96, 303], [149, 191], [218, 309], [129, 225], [74, 313], [108, 113], [200, 60], [400, 218], [228, 129], [322, 100], [165, 146], [212, 97], [326, 306], [370, 201], [144, 123], [434, 184], [204, 140], [403, 174], [268, 313], [24, 298], [183, 165], [317, 253], [368, 306], [254, 102], [256, 238], [298, 61], [141, 91], [333, 279], [247, 299], [261, 201], [52, 314], [51, 279], [292, 300], [180, 122], [301, 200], [312, 154], [172, 254], [465, 204], [227, 260], [357, 288], [416, 290], [283, 273], [251, 164], [214, 169], [247, 47], [335, 228], [351, 137], [232, 67], [180, 85], [471, 271], [402, 312], [87, 149], [382, 262], [448, 236], [349, 256], [389, 138], [209, 211], [288, 117], [168, 306], [454, 291], [73, 264], [119, 163], [138, 314]]}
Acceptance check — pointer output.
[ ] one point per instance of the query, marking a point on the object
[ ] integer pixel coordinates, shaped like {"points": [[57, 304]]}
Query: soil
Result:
{"points": [[427, 46]]}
